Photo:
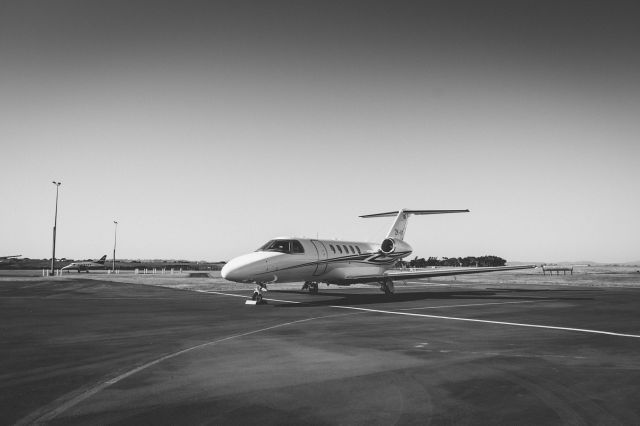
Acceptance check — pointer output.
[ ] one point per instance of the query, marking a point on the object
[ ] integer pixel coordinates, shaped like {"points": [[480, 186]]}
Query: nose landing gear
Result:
{"points": [[258, 293]]}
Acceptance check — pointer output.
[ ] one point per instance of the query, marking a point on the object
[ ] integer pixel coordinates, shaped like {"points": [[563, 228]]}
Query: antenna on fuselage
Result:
{"points": [[399, 226]]}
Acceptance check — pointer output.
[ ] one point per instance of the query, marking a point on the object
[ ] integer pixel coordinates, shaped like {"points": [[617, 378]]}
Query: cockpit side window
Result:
{"points": [[283, 246], [296, 247]]}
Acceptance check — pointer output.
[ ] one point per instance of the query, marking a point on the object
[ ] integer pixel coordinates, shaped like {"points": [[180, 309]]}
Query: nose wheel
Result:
{"points": [[258, 293]]}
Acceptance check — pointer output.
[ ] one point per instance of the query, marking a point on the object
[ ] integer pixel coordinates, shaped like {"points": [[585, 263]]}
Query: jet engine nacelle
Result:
{"points": [[393, 245]]}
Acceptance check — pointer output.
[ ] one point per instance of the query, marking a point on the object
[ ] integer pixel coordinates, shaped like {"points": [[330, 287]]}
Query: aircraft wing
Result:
{"points": [[428, 273]]}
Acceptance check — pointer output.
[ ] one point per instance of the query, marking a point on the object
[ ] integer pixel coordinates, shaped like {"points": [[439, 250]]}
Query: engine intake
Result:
{"points": [[392, 245]]}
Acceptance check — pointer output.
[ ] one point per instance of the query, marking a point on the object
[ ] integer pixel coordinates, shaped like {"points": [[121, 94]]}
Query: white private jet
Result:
{"points": [[15, 256], [342, 263], [86, 265]]}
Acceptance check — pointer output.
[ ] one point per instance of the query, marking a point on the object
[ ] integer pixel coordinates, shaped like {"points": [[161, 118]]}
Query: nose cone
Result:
{"points": [[247, 268], [224, 272], [230, 271]]}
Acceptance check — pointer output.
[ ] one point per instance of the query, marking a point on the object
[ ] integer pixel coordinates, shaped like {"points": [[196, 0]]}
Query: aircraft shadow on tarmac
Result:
{"points": [[351, 299]]}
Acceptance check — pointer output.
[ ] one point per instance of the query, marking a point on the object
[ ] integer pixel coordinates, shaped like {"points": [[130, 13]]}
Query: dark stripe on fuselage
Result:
{"points": [[364, 259]]}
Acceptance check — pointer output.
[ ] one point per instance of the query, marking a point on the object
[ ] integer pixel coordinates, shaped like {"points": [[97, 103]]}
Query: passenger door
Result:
{"points": [[321, 266]]}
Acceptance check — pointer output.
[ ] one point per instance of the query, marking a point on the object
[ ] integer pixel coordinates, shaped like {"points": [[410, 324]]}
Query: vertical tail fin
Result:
{"points": [[399, 226], [102, 259]]}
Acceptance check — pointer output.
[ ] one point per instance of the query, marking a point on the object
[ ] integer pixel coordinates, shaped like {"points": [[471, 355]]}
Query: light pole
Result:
{"points": [[115, 238], [55, 223]]}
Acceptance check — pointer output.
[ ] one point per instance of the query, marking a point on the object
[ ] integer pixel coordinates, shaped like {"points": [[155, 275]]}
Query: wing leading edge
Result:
{"points": [[437, 272]]}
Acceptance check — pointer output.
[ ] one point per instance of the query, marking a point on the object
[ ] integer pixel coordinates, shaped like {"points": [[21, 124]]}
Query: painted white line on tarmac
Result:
{"points": [[470, 304], [503, 354], [469, 286], [279, 300], [426, 283], [220, 293], [244, 297], [550, 327], [51, 413]]}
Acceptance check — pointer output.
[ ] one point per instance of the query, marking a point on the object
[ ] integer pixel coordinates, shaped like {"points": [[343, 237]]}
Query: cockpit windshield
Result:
{"points": [[283, 246]]}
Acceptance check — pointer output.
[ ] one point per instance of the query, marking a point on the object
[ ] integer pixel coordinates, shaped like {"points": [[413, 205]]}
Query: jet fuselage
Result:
{"points": [[299, 259]]}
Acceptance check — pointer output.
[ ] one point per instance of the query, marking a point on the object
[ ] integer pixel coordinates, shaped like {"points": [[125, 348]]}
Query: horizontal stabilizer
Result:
{"points": [[416, 212], [400, 224]]}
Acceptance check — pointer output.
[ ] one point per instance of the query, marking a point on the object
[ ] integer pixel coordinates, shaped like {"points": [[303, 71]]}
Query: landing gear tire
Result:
{"points": [[387, 287], [257, 294], [311, 286]]}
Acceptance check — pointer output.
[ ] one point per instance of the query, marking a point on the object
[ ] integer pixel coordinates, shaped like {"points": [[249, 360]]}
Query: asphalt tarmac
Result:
{"points": [[86, 351]]}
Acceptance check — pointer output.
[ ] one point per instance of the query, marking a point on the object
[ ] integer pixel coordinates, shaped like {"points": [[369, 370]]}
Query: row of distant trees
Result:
{"points": [[421, 262]]}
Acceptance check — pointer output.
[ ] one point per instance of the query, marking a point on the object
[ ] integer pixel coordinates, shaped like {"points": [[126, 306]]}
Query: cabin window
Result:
{"points": [[339, 249], [352, 250], [332, 248]]}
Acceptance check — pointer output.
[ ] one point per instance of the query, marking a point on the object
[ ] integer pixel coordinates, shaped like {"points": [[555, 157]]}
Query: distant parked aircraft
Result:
{"points": [[86, 265], [344, 263], [3, 258]]}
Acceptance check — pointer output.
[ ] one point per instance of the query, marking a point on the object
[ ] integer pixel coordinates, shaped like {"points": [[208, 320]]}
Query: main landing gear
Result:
{"points": [[387, 287], [311, 286]]}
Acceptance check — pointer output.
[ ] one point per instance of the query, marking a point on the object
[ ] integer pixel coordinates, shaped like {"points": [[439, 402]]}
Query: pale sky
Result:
{"points": [[207, 128]]}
